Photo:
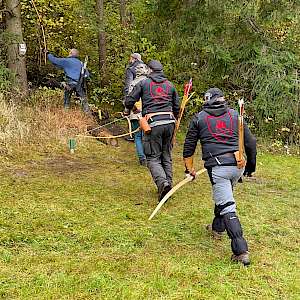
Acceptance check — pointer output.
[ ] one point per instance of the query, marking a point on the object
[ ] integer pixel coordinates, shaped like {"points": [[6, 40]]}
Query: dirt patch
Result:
{"points": [[20, 173], [62, 165], [117, 130]]}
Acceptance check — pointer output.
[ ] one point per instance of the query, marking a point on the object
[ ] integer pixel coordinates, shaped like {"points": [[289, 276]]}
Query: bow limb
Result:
{"points": [[185, 99], [42, 28], [109, 123], [129, 126], [172, 191], [108, 137], [241, 129]]}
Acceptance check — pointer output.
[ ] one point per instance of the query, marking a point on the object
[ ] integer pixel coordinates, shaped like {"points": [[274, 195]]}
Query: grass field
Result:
{"points": [[75, 227]]}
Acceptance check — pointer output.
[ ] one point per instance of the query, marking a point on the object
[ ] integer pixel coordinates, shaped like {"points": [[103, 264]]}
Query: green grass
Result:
{"points": [[76, 227]]}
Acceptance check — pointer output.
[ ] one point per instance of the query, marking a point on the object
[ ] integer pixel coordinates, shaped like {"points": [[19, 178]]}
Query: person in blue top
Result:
{"points": [[72, 67]]}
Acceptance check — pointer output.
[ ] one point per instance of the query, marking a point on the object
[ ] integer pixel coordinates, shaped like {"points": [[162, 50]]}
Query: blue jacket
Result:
{"points": [[71, 66]]}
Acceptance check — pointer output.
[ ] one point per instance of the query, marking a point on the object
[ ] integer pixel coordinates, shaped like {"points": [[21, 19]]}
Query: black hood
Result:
{"points": [[155, 65], [215, 107], [158, 76]]}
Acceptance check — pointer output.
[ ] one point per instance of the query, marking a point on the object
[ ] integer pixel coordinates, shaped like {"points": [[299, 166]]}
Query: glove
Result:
{"points": [[191, 173], [189, 168], [249, 169]]}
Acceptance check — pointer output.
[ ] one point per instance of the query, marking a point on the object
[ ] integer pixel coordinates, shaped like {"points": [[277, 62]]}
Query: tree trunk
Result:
{"points": [[101, 42], [123, 12], [16, 62]]}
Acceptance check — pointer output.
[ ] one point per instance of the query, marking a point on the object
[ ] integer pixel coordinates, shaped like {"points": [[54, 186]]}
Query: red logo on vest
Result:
{"points": [[221, 128], [159, 90]]}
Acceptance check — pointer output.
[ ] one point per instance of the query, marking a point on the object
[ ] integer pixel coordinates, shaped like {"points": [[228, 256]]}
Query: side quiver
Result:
{"points": [[239, 155]]}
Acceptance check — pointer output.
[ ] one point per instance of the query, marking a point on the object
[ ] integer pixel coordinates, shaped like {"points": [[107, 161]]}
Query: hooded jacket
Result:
{"points": [[216, 126], [158, 94], [130, 75], [141, 74]]}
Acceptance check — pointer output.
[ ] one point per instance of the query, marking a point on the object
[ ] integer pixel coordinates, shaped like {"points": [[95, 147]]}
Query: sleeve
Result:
{"points": [[191, 138], [134, 96], [128, 79], [175, 102], [250, 149], [57, 61]]}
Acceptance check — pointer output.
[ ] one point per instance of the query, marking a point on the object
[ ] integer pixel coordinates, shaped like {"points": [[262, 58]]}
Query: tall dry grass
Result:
{"points": [[39, 123], [13, 131]]}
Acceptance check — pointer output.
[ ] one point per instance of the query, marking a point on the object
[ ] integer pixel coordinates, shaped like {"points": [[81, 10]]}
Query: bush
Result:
{"points": [[6, 79]]}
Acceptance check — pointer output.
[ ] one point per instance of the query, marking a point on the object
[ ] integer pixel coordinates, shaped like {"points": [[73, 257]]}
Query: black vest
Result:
{"points": [[218, 134]]}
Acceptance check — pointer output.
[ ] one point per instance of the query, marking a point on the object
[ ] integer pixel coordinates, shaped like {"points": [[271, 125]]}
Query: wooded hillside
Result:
{"points": [[248, 49]]}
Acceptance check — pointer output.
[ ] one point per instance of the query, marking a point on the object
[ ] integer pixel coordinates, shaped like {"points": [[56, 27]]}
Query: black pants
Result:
{"points": [[157, 148], [69, 89]]}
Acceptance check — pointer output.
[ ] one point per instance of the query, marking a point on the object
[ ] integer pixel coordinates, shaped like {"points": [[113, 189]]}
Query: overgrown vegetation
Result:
{"points": [[38, 125], [248, 49]]}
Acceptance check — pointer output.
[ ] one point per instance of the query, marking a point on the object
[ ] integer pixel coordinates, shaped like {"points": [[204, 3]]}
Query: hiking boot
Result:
{"points": [[215, 234], [143, 162], [242, 258], [163, 191]]}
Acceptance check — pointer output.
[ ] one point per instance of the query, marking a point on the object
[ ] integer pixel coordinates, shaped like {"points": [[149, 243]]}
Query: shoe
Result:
{"points": [[242, 258], [215, 234], [163, 191], [129, 139], [143, 162]]}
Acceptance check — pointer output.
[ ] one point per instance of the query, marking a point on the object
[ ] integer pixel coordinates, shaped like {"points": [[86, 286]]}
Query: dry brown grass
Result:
{"points": [[41, 122], [12, 129]]}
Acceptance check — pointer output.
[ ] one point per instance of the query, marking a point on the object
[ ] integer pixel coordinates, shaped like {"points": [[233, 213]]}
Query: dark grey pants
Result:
{"points": [[157, 148], [68, 91]]}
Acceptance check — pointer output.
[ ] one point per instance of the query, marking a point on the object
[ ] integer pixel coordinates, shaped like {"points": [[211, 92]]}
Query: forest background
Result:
{"points": [[249, 49]]}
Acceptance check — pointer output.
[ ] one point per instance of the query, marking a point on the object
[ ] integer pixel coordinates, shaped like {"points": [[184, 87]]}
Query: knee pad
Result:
{"points": [[235, 233], [218, 208], [218, 224]]}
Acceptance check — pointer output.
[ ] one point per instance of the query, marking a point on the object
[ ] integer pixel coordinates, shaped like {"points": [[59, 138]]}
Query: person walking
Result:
{"points": [[216, 126], [160, 107], [130, 73], [135, 114]]}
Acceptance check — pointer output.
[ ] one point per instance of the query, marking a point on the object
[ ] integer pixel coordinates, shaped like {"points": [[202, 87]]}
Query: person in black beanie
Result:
{"points": [[160, 106], [216, 126]]}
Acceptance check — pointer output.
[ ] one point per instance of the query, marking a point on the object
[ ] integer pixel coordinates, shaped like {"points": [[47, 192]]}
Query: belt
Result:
{"points": [[229, 154], [150, 115], [226, 159]]}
